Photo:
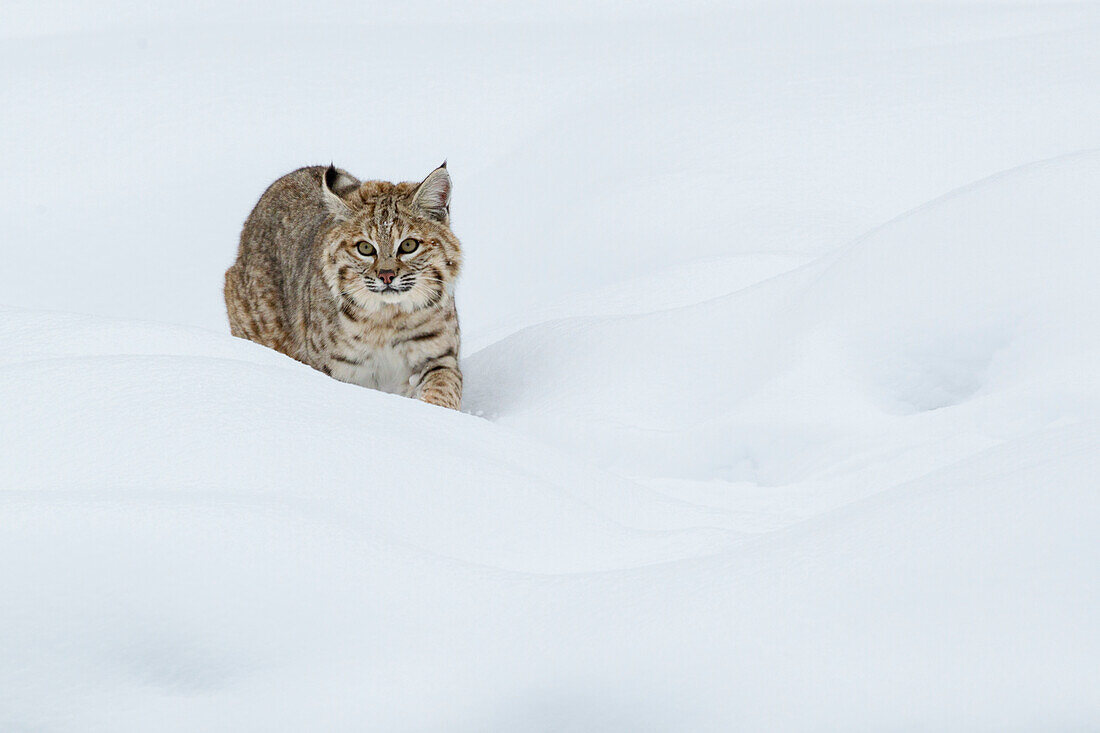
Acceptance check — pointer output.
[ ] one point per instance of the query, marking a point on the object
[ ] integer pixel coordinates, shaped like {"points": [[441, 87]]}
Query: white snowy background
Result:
{"points": [[782, 354]]}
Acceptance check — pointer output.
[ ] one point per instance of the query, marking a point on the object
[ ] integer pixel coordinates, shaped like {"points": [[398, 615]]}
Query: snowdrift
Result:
{"points": [[859, 494], [781, 412]]}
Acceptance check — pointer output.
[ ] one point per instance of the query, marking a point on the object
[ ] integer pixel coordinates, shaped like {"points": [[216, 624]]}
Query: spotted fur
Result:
{"points": [[302, 284]]}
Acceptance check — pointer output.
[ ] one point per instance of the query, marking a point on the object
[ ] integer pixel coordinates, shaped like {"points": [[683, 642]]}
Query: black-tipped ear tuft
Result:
{"points": [[331, 176], [444, 164]]}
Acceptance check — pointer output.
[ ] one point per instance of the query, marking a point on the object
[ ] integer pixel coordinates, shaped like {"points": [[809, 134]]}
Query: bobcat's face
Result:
{"points": [[391, 244]]}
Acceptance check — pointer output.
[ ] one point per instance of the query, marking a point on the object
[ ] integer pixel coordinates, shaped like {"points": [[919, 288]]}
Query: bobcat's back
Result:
{"points": [[267, 288]]}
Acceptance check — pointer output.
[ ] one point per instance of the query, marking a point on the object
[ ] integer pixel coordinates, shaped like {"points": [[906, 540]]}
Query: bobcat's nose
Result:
{"points": [[386, 276]]}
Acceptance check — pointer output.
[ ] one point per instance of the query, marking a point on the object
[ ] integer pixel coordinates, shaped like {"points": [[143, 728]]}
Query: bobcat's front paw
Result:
{"points": [[440, 397], [439, 385]]}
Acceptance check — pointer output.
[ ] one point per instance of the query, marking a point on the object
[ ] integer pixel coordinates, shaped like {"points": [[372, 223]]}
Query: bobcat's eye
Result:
{"points": [[365, 248], [408, 246]]}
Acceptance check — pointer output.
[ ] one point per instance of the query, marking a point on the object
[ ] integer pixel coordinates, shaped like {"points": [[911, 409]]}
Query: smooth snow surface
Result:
{"points": [[782, 364]]}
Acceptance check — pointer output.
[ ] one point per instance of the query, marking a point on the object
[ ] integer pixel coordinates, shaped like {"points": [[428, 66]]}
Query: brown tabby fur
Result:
{"points": [[301, 286]]}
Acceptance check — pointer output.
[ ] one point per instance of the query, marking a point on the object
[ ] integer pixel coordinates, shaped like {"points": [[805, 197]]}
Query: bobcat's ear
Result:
{"points": [[336, 184], [433, 195]]}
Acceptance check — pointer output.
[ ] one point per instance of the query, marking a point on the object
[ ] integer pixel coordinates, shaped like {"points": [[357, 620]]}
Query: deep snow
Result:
{"points": [[782, 348]]}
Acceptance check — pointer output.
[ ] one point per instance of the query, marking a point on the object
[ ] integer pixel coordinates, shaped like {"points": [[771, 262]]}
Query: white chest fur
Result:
{"points": [[385, 369]]}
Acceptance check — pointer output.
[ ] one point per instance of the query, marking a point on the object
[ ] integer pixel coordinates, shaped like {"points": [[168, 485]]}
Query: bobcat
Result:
{"points": [[355, 279]]}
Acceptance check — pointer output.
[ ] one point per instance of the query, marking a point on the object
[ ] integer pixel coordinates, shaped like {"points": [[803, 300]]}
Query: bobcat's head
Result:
{"points": [[389, 243]]}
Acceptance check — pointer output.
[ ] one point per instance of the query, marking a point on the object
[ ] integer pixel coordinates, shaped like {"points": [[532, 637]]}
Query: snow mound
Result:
{"points": [[968, 321], [95, 406]]}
